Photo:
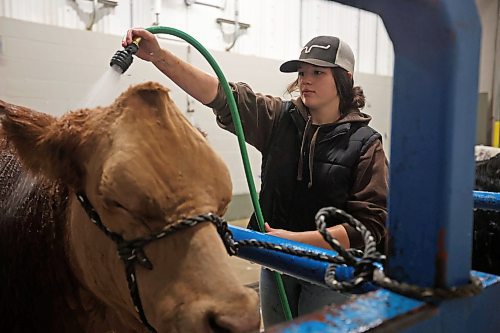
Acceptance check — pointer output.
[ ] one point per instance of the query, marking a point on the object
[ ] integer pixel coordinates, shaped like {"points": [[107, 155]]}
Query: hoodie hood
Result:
{"points": [[329, 131]]}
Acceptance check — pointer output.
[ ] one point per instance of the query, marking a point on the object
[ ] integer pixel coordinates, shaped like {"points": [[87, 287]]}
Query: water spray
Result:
{"points": [[123, 58]]}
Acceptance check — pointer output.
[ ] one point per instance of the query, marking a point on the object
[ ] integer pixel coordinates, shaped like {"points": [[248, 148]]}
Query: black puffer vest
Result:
{"points": [[290, 203]]}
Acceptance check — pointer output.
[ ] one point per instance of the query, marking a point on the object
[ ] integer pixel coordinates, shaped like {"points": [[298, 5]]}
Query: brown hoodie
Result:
{"points": [[368, 195]]}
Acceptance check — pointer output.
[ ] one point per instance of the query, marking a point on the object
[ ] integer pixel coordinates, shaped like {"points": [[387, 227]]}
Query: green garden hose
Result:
{"points": [[241, 141]]}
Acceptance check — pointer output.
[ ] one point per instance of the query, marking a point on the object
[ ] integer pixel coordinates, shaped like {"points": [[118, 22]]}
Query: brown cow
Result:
{"points": [[142, 167]]}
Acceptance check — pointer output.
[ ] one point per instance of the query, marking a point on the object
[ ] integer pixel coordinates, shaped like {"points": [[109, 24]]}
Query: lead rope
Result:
{"points": [[364, 262], [365, 270]]}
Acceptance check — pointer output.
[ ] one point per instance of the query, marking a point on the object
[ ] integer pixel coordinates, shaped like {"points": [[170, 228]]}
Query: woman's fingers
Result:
{"points": [[133, 33]]}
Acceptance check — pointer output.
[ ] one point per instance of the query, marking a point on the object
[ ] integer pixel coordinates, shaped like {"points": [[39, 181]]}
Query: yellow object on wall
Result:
{"points": [[496, 134]]}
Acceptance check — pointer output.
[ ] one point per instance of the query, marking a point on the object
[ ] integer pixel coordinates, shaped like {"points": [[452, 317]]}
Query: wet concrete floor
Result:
{"points": [[246, 272]]}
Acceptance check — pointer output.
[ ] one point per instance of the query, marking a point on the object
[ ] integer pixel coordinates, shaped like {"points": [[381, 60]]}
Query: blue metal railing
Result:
{"points": [[311, 270], [487, 200], [302, 268]]}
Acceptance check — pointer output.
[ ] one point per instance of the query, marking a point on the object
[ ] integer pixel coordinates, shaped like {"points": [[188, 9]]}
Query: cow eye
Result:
{"points": [[114, 204]]}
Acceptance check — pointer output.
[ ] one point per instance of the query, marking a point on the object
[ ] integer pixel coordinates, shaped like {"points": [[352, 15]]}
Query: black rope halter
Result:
{"points": [[363, 262], [132, 251]]}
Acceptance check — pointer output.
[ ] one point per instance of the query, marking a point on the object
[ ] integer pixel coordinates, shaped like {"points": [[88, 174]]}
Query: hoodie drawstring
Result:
{"points": [[312, 146], [300, 167]]}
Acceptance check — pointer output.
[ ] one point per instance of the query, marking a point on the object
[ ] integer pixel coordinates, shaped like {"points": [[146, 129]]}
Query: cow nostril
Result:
{"points": [[215, 326]]}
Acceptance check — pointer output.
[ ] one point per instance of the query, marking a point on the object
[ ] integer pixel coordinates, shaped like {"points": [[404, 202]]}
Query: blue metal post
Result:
{"points": [[436, 45]]}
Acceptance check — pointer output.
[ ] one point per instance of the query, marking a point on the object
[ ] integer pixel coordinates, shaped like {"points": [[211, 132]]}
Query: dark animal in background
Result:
{"points": [[486, 248]]}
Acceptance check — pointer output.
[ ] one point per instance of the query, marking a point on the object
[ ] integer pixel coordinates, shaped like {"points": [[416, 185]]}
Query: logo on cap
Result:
{"points": [[308, 49]]}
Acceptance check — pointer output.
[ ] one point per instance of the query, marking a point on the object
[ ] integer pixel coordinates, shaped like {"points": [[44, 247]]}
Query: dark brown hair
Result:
{"points": [[35, 276], [350, 97]]}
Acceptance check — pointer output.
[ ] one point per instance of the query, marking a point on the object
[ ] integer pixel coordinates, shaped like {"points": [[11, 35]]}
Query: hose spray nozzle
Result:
{"points": [[123, 58]]}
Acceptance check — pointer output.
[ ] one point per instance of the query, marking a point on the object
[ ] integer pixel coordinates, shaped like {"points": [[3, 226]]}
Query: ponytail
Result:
{"points": [[351, 98]]}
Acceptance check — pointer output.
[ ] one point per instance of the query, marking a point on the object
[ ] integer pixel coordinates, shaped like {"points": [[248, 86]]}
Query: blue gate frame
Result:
{"points": [[436, 44]]}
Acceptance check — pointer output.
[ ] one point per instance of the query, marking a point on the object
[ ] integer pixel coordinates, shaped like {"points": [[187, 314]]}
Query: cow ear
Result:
{"points": [[43, 145]]}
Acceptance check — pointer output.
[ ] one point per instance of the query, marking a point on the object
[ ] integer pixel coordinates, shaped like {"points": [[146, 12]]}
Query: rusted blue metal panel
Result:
{"points": [[472, 314], [357, 316], [384, 311]]}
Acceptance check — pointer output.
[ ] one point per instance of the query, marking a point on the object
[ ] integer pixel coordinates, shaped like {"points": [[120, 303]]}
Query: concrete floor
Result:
{"points": [[246, 272]]}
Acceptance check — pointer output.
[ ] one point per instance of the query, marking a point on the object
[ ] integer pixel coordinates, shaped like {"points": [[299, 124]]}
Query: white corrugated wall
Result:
{"points": [[278, 28]]}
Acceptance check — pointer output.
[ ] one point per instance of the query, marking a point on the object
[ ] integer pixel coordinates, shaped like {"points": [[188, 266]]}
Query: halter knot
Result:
{"points": [[132, 252]]}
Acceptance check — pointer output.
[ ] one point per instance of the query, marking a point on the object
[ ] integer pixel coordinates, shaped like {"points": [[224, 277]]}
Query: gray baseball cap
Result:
{"points": [[323, 51]]}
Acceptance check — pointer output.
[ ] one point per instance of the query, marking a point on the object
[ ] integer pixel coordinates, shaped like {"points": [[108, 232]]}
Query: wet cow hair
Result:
{"points": [[35, 274]]}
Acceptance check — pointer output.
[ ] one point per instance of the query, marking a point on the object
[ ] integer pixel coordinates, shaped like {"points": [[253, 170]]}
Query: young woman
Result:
{"points": [[317, 150]]}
